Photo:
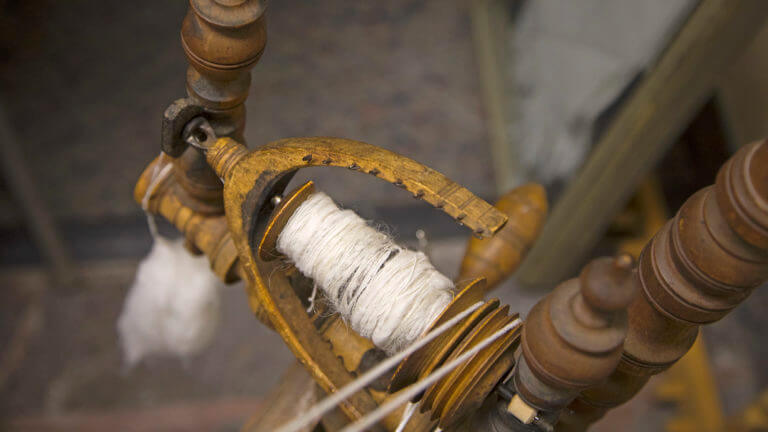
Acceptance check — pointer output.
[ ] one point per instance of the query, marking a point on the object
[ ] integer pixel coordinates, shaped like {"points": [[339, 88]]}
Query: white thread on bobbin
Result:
{"points": [[386, 293]]}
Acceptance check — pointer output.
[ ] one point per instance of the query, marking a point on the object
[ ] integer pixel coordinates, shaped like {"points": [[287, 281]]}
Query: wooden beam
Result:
{"points": [[743, 94], [686, 74], [491, 26]]}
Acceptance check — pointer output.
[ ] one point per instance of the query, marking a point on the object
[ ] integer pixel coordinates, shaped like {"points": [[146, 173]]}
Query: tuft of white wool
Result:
{"points": [[172, 307]]}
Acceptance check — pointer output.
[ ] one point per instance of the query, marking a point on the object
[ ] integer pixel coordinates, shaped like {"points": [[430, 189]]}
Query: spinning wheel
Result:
{"points": [[588, 346]]}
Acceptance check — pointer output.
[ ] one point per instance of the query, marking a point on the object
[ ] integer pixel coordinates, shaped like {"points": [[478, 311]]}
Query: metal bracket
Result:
{"points": [[175, 120]]}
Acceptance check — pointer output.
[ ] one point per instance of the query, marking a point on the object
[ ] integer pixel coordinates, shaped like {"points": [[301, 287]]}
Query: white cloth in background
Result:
{"points": [[571, 60]]}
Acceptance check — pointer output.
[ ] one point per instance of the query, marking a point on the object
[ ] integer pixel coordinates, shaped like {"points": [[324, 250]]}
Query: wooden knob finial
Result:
{"points": [[497, 257]]}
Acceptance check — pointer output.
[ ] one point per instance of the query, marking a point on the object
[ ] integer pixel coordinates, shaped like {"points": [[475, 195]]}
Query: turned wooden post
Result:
{"points": [[573, 337], [704, 262], [223, 40]]}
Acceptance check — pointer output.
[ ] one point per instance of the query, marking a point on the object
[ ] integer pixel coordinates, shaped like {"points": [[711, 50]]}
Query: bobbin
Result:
{"points": [[463, 390], [253, 178]]}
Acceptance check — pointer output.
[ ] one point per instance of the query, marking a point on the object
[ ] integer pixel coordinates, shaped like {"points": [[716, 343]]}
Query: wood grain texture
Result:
{"points": [[496, 258]]}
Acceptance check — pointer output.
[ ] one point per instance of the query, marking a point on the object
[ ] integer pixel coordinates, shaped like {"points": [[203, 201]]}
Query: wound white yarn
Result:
{"points": [[384, 292]]}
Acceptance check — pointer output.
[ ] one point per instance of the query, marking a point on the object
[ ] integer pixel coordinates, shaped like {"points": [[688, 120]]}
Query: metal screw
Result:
{"points": [[199, 134]]}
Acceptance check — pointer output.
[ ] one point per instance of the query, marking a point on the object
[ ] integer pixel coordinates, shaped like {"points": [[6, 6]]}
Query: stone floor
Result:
{"points": [[69, 375]]}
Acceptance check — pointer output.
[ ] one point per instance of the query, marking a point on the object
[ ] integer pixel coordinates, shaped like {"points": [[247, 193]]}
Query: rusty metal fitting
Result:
{"points": [[199, 134], [175, 118]]}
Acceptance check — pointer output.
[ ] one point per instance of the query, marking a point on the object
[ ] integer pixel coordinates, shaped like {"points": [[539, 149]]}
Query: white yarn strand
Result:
{"points": [[410, 408], [386, 293], [368, 377], [312, 298], [158, 175]]}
